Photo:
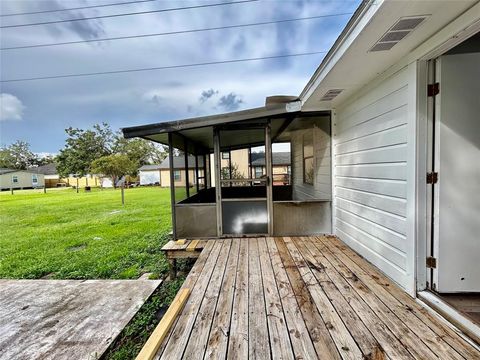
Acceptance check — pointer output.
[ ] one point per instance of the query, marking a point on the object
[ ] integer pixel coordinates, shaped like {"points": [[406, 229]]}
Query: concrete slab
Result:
{"points": [[66, 319]]}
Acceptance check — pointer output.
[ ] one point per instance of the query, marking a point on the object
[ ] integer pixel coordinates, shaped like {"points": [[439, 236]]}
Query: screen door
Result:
{"points": [[456, 232], [245, 195]]}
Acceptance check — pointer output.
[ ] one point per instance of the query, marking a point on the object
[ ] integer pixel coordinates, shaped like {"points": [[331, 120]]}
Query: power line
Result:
{"points": [[162, 67], [78, 8], [128, 14], [173, 32]]}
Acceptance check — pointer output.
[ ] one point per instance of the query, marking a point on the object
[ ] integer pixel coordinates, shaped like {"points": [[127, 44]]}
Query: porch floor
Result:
{"points": [[303, 298]]}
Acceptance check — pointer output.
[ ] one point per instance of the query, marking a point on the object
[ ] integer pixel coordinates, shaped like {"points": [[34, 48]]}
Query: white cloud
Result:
{"points": [[11, 108]]}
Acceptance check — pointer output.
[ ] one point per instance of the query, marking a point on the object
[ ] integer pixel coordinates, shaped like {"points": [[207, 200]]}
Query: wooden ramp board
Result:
{"points": [[153, 343], [302, 297], [182, 249], [66, 319]]}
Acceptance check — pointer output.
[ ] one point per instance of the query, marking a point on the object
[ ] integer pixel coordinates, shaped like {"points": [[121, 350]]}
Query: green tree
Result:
{"points": [[236, 174], [18, 156], [139, 150], [82, 147], [114, 166]]}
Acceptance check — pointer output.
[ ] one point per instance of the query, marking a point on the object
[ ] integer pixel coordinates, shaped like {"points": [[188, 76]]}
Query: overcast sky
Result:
{"points": [[39, 111]]}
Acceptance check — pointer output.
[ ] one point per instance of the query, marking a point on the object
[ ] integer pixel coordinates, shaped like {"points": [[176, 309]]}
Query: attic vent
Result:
{"points": [[397, 32], [331, 94]]}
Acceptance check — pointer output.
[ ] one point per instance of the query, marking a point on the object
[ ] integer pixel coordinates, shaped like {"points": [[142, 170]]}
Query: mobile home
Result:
{"points": [[385, 146], [20, 179]]}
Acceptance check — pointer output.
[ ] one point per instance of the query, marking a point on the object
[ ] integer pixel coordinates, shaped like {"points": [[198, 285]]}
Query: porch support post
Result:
{"points": [[196, 171], [172, 184], [250, 170], [268, 165], [218, 185], [187, 179], [206, 181], [230, 166]]}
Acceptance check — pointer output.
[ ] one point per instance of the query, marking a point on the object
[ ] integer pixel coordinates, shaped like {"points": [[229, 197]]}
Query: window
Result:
{"points": [[258, 172], [34, 179], [14, 179], [177, 176], [225, 155], [308, 159]]}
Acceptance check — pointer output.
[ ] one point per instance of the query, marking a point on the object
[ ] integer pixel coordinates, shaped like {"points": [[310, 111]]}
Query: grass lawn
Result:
{"points": [[65, 235]]}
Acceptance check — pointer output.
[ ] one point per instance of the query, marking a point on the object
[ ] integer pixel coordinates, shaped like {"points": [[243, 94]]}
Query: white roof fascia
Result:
{"points": [[339, 49], [448, 37]]}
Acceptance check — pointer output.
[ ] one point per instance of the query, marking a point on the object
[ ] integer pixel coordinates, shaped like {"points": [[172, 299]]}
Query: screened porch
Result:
{"points": [[236, 189]]}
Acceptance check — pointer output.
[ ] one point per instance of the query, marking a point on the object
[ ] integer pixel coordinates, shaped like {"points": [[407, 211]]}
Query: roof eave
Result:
{"points": [[331, 58], [178, 125]]}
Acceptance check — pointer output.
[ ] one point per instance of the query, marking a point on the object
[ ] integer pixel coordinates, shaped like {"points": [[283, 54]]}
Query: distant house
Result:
{"points": [[159, 174], [50, 174], [280, 167], [53, 179], [20, 179]]}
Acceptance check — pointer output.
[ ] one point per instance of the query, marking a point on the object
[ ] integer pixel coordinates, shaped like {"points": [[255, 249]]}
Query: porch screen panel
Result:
{"points": [[245, 217], [244, 198]]}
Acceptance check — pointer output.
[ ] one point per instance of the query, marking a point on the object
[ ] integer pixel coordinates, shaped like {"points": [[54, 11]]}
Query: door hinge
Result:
{"points": [[432, 177], [431, 262], [433, 89]]}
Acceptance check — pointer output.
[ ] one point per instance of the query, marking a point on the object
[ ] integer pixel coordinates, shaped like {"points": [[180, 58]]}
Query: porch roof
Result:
{"points": [[199, 131]]}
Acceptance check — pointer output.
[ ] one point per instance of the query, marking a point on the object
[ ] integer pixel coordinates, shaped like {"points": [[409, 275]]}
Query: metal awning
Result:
{"points": [[199, 131]]}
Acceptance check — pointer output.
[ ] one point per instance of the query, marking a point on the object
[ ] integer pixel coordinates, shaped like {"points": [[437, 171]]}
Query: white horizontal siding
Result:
{"points": [[371, 171]]}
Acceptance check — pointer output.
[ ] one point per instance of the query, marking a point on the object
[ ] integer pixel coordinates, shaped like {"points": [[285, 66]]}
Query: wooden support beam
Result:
{"points": [[153, 343], [181, 241]]}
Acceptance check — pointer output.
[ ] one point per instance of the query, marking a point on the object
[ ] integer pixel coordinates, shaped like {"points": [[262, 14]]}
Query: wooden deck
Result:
{"points": [[302, 298]]}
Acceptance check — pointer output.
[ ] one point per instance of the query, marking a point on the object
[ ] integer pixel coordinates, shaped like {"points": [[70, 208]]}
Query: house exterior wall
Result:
{"points": [[149, 177], [240, 159], [276, 169], [374, 173], [322, 183], [165, 177], [24, 180]]}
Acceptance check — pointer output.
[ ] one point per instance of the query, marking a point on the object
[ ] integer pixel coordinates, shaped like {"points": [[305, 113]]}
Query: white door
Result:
{"points": [[457, 160]]}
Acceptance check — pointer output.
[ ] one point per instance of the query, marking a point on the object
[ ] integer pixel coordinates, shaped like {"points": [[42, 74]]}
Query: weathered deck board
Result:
{"points": [[309, 298], [442, 331], [354, 311], [279, 339], [302, 345], [338, 331], [200, 333], [258, 347], [238, 334], [403, 311], [218, 340]]}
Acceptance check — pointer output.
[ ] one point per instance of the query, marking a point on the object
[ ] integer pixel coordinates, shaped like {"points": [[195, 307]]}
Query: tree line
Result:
{"points": [[98, 150]]}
